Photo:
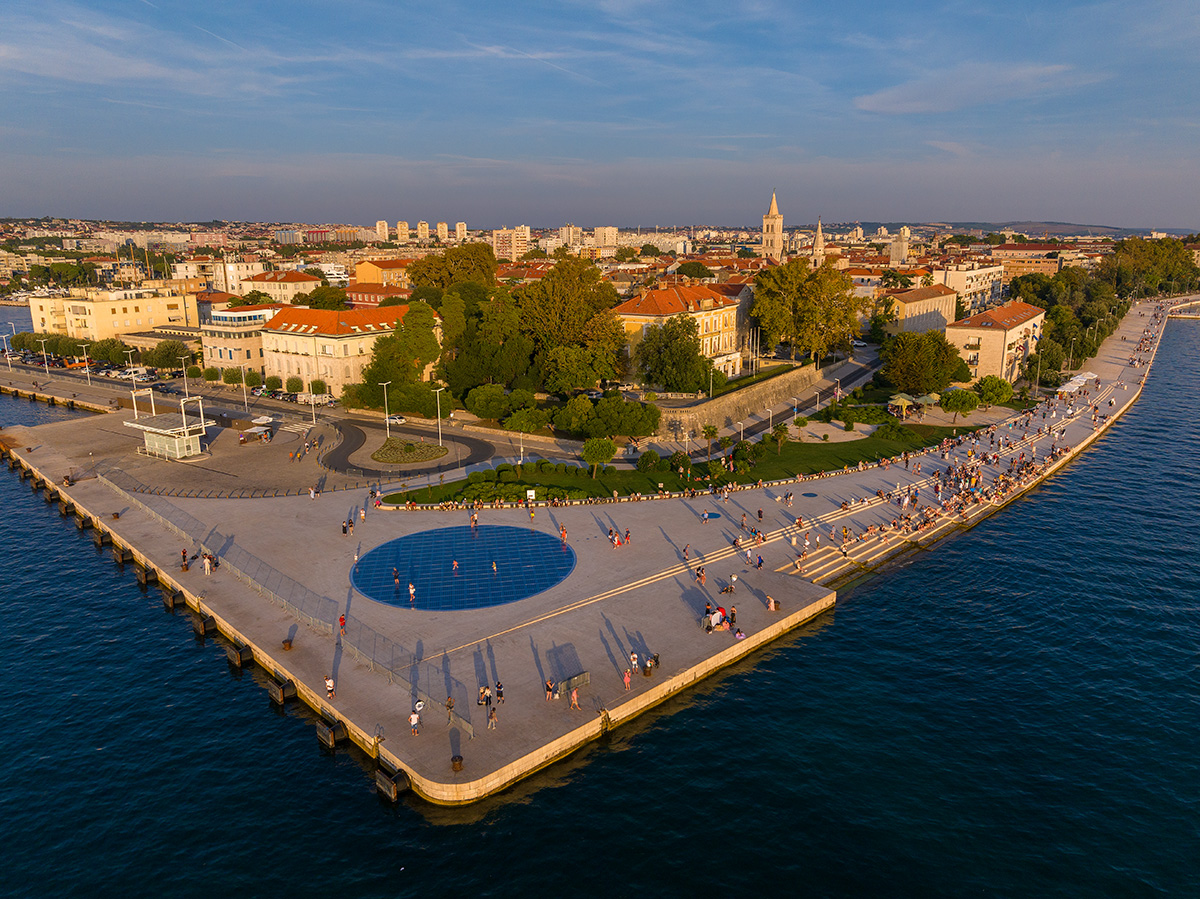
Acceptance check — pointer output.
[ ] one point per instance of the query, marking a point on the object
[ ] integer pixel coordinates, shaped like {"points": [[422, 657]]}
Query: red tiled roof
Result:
{"points": [[1011, 315], [336, 322], [390, 263], [283, 278], [917, 294], [665, 301]]}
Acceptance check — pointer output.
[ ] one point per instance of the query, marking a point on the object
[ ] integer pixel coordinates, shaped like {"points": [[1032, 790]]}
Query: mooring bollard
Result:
{"points": [[456, 763]]}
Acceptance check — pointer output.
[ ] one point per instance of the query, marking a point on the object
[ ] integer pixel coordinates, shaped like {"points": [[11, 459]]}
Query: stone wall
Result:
{"points": [[727, 410]]}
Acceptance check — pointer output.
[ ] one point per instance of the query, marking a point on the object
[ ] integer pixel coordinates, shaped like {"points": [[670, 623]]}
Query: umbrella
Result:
{"points": [[901, 399], [929, 399]]}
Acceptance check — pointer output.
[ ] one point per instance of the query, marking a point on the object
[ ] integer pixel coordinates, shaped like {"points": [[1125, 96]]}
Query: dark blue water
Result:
{"points": [[496, 564], [1015, 713]]}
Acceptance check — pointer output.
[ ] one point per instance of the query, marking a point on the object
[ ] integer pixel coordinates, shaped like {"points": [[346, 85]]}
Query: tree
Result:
{"points": [[231, 376], [211, 374], [527, 421], [885, 314], [694, 269], [778, 295], [318, 273], [921, 363], [993, 391], [535, 253], [488, 401], [779, 434], [253, 377], [649, 249], [469, 262], [323, 297], [669, 355], [427, 293], [110, 350], [193, 371], [598, 451], [957, 401], [892, 278], [626, 254], [318, 386], [746, 253], [166, 354], [710, 434], [295, 384], [274, 382], [253, 298]]}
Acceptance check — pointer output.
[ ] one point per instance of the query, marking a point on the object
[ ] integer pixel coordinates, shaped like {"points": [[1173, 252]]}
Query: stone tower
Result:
{"points": [[772, 232], [818, 248]]}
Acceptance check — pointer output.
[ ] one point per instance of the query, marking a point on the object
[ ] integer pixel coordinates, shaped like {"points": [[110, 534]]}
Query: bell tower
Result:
{"points": [[772, 232]]}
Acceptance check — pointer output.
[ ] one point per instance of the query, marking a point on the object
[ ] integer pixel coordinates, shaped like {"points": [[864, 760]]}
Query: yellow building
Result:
{"points": [[90, 314], [998, 341], [281, 287], [921, 309], [390, 272], [716, 315]]}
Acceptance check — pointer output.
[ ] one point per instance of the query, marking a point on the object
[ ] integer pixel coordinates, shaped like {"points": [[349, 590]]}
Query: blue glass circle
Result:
{"points": [[497, 564]]}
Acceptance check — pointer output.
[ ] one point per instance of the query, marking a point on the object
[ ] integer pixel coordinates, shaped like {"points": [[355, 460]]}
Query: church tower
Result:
{"points": [[772, 232], [818, 248]]}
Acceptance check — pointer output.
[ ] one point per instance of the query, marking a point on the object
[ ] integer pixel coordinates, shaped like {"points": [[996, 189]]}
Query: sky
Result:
{"points": [[601, 112]]}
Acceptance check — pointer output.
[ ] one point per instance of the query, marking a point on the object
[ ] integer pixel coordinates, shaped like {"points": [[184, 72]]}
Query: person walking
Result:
{"points": [[627, 673], [492, 718], [575, 699], [412, 593], [342, 624], [499, 693], [329, 692], [685, 551], [549, 690], [413, 721], [449, 710]]}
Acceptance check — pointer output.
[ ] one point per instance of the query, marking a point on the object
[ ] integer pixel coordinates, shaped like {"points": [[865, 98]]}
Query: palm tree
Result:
{"points": [[780, 434], [710, 433]]}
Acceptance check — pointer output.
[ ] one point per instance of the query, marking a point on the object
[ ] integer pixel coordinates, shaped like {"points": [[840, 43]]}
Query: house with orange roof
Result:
{"points": [[281, 287], [369, 296], [719, 313], [333, 345], [998, 341], [921, 309], [392, 272]]}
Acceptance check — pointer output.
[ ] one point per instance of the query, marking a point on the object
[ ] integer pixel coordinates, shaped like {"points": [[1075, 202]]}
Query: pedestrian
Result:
{"points": [[413, 720], [575, 698], [627, 535], [183, 558], [342, 624], [351, 526], [531, 516], [760, 562], [396, 578], [344, 528], [412, 592], [627, 673], [207, 564], [449, 710], [494, 568], [685, 551], [549, 690], [499, 693], [562, 532], [760, 515], [362, 514], [356, 560], [732, 614], [492, 719], [707, 609], [329, 686], [454, 566], [633, 660], [487, 696]]}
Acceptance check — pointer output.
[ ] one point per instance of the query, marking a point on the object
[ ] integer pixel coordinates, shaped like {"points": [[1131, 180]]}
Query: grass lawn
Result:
{"points": [[403, 452], [796, 458]]}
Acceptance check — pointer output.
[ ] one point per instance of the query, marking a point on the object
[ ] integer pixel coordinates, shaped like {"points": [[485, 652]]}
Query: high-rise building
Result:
{"points": [[401, 232], [381, 230], [511, 243], [443, 231], [606, 236], [422, 230], [772, 232], [570, 235], [460, 231]]}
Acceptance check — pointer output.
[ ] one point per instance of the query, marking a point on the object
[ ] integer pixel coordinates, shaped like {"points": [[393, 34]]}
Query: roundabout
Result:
{"points": [[497, 564]]}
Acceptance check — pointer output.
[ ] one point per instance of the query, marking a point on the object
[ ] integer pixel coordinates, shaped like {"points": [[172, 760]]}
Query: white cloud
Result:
{"points": [[973, 84]]}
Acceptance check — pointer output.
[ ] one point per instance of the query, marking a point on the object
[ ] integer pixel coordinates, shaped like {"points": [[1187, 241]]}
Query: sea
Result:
{"points": [[1015, 712]]}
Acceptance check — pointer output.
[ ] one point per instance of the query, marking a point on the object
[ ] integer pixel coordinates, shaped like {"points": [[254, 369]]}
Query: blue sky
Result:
{"points": [[601, 112]]}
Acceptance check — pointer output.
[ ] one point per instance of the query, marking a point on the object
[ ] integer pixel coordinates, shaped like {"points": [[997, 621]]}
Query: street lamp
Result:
{"points": [[45, 362], [742, 428], [7, 351], [87, 369], [185, 360], [129, 353], [245, 397], [437, 394], [837, 393], [1071, 355], [795, 406], [387, 425]]}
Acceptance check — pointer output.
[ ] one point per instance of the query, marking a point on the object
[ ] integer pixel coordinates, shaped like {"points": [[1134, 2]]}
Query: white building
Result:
{"points": [[460, 231], [381, 230], [401, 232]]}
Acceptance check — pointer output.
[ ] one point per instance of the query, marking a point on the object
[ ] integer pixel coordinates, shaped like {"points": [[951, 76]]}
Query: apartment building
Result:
{"points": [[998, 341], [716, 314], [234, 336], [281, 287]]}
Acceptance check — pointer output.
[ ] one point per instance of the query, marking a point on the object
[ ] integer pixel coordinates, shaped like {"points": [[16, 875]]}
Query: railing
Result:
{"points": [[421, 677]]}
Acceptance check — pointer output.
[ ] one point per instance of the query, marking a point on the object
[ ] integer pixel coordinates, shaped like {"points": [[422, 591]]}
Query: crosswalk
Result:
{"points": [[295, 427]]}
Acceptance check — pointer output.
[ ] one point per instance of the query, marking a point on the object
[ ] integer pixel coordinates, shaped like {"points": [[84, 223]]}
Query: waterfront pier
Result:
{"points": [[285, 574]]}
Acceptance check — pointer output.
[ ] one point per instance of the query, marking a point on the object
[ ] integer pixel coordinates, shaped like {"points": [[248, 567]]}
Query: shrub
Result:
{"points": [[544, 466], [849, 426], [801, 421], [507, 477], [253, 378], [318, 385], [295, 384], [893, 430], [663, 465], [757, 451], [649, 396], [274, 382], [409, 448], [489, 474], [680, 459], [475, 477], [212, 375], [560, 467], [609, 470], [824, 436], [232, 376], [648, 461], [504, 466], [194, 371]]}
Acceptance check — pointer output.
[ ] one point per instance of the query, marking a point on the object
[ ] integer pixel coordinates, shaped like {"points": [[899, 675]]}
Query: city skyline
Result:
{"points": [[614, 113]]}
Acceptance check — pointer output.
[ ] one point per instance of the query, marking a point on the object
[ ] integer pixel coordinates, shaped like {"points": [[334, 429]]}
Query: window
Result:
{"points": [[247, 354]]}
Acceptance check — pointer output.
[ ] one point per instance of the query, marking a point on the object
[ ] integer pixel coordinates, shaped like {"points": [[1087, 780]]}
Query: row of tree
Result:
{"points": [[166, 354], [812, 310]]}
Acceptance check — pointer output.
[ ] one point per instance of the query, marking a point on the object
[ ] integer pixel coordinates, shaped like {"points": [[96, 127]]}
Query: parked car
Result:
{"points": [[856, 342], [396, 419]]}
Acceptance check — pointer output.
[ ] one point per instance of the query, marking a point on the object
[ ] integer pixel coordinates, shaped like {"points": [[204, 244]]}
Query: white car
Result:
{"points": [[857, 342], [396, 419]]}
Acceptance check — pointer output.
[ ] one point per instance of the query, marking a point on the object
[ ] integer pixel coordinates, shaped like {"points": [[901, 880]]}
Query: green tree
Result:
{"points": [[253, 298], [649, 249], [193, 371], [318, 386], [274, 382], [253, 377], [527, 421], [892, 278], [231, 376], [959, 401], [468, 262], [211, 374], [110, 350], [626, 254], [317, 273], [488, 401], [745, 253], [778, 299], [694, 269], [710, 433], [166, 354], [779, 434], [993, 391], [294, 384], [669, 355], [598, 451], [323, 297], [426, 293], [921, 363]]}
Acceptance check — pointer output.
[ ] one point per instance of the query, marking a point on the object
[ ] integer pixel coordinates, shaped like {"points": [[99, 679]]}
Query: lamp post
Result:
{"points": [[245, 396], [387, 425], [795, 406], [87, 369], [45, 361], [710, 374], [837, 393], [742, 428], [437, 394], [7, 351], [129, 363], [1071, 355], [185, 360]]}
